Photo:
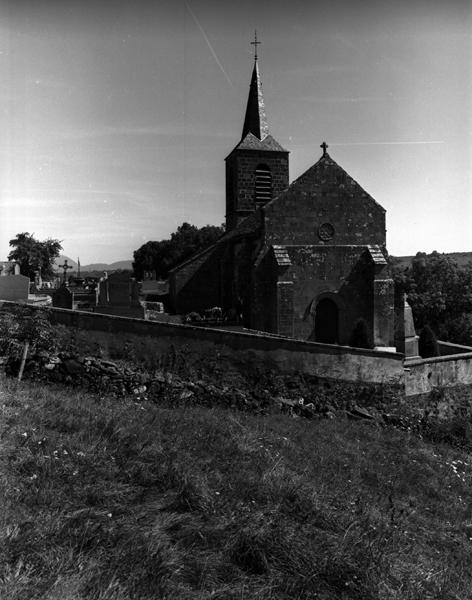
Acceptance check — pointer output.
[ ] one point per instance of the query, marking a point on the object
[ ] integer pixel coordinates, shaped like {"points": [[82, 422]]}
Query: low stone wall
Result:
{"points": [[223, 350], [422, 376], [448, 349]]}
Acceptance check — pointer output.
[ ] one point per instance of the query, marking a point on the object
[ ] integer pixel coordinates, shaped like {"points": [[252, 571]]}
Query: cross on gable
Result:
{"points": [[324, 145], [255, 43]]}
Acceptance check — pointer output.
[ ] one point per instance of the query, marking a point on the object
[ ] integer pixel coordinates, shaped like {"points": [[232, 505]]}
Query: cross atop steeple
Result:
{"points": [[255, 43], [324, 146]]}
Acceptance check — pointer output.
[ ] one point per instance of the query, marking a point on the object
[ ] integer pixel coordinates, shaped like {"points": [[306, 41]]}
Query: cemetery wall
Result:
{"points": [[150, 340], [235, 351], [422, 376]]}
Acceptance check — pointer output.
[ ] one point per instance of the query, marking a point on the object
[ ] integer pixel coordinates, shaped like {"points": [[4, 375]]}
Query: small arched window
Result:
{"points": [[263, 185]]}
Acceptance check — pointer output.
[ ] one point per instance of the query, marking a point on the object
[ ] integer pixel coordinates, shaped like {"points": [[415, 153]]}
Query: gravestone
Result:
{"points": [[14, 288], [8, 268], [118, 294], [63, 298], [119, 289]]}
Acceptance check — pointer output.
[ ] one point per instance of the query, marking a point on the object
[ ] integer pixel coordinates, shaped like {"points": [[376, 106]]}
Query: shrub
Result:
{"points": [[428, 343], [360, 335]]}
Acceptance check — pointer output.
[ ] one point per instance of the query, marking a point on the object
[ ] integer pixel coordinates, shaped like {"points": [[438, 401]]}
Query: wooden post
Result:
{"points": [[23, 360]]}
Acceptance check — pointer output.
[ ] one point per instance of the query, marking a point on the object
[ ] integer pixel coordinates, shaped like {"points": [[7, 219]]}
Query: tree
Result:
{"points": [[34, 255], [164, 255], [439, 293]]}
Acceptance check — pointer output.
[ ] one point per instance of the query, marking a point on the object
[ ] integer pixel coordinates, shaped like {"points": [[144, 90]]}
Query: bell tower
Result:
{"points": [[257, 168]]}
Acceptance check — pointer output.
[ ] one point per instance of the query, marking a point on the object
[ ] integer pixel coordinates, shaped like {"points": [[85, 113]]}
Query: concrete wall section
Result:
{"points": [[424, 375]]}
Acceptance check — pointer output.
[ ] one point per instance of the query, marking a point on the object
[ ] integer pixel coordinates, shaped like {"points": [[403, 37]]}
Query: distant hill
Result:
{"points": [[121, 264], [462, 258]]}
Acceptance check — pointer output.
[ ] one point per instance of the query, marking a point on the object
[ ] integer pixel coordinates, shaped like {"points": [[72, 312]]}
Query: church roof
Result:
{"points": [[327, 171], [255, 121], [281, 256], [247, 226], [251, 142], [376, 254]]}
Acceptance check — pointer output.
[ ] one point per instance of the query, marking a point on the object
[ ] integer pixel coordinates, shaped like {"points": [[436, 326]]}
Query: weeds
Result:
{"points": [[114, 500]]}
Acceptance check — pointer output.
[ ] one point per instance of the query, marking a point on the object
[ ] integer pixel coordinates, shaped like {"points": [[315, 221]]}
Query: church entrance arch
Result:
{"points": [[326, 322]]}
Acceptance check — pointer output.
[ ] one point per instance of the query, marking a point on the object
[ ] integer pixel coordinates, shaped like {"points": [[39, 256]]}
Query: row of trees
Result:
{"points": [[35, 255], [162, 256], [440, 294]]}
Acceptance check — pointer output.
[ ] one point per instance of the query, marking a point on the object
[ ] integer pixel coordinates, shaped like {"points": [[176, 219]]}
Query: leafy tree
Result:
{"points": [[33, 255], [428, 343], [440, 294], [164, 255]]}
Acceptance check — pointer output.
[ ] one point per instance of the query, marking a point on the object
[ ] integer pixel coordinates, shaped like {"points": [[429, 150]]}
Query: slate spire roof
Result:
{"points": [[255, 121]]}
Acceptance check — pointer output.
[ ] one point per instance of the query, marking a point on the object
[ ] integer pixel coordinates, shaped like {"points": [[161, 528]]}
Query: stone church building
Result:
{"points": [[304, 260]]}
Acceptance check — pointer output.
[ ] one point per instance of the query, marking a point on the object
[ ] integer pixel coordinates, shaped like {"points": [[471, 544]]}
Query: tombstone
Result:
{"points": [[63, 298], [119, 289], [14, 288], [64, 268], [134, 292], [119, 294], [406, 339], [9, 268], [38, 280]]}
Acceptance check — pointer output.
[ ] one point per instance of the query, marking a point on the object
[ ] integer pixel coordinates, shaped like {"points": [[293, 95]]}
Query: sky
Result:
{"points": [[116, 116]]}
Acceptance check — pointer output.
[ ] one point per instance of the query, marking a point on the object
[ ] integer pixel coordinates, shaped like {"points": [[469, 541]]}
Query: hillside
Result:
{"points": [[462, 258], [120, 264], [129, 500]]}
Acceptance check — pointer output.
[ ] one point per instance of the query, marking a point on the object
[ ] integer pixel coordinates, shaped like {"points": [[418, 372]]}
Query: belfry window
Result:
{"points": [[263, 185]]}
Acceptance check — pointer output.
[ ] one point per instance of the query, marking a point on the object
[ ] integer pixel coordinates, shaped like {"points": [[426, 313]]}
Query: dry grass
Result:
{"points": [[119, 500]]}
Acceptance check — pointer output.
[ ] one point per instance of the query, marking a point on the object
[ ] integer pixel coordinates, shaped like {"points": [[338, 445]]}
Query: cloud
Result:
{"points": [[168, 130]]}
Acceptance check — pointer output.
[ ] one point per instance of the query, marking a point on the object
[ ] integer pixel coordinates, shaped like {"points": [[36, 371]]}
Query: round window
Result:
{"points": [[325, 232]]}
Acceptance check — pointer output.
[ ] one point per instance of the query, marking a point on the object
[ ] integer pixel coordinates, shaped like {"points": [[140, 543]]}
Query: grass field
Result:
{"points": [[120, 500]]}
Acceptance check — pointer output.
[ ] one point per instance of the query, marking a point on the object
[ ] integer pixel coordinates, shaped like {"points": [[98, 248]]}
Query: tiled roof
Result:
{"points": [[377, 255], [249, 225], [281, 256]]}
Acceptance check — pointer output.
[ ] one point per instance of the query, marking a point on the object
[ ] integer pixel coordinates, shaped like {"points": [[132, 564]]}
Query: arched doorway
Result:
{"points": [[326, 322]]}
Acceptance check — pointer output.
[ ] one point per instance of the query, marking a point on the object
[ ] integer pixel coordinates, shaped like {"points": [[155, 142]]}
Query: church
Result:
{"points": [[305, 260]]}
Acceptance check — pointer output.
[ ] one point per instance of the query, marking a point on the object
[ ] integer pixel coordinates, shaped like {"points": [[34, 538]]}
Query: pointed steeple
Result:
{"points": [[255, 121]]}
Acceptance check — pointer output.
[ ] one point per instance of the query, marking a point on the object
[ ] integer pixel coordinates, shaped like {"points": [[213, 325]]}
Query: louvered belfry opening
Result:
{"points": [[263, 185]]}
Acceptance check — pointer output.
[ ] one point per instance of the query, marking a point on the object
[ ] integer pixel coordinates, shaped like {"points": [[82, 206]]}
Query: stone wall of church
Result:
{"points": [[299, 214], [343, 274], [241, 180], [196, 284], [264, 296]]}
